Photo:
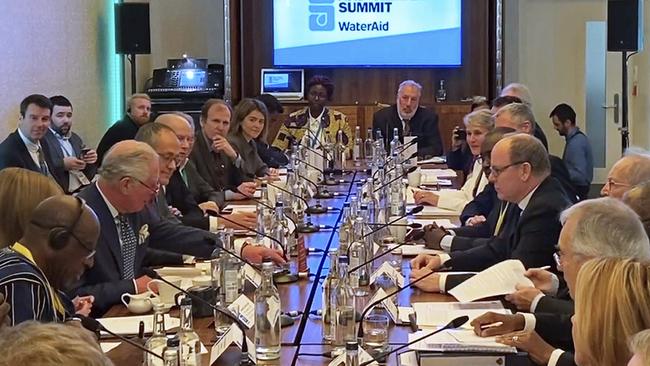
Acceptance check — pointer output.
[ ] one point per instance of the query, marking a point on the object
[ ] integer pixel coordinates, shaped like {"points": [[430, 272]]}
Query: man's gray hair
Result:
{"points": [[606, 227], [133, 162], [519, 113], [187, 117], [412, 83], [151, 132], [527, 148], [520, 91], [636, 167]]}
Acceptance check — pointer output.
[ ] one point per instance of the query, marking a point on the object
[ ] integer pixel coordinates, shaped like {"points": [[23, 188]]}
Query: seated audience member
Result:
{"points": [[638, 199], [272, 156], [628, 171], [591, 229], [640, 348], [520, 117], [410, 119], [520, 172], [186, 176], [460, 157], [132, 233], [215, 159], [37, 344], [66, 149], [600, 333], [500, 102], [138, 112], [522, 92], [477, 125], [175, 203], [26, 147], [21, 190], [577, 154], [479, 229], [249, 123], [56, 248], [314, 122]]}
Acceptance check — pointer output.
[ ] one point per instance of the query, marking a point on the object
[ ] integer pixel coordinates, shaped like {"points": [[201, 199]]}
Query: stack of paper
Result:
{"points": [[500, 279], [434, 211], [433, 160], [413, 250], [439, 173], [128, 325], [457, 340], [436, 314]]}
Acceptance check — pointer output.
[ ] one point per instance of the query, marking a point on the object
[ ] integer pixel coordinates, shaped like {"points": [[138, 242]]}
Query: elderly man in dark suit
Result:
{"points": [[520, 171], [410, 119], [26, 147], [66, 149]]}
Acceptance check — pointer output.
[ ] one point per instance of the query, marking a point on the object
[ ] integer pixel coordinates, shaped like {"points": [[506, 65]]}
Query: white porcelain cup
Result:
{"points": [[398, 228], [138, 304], [166, 293], [414, 178]]}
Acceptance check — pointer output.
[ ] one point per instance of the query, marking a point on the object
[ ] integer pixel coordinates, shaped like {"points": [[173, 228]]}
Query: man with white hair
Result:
{"points": [[410, 119], [521, 92], [627, 172], [595, 228]]}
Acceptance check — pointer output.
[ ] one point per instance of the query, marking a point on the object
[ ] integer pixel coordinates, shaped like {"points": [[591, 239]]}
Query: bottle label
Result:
{"points": [[231, 279], [273, 312]]}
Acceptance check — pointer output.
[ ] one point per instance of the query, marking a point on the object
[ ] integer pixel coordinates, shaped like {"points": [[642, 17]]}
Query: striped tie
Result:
{"points": [[42, 166], [129, 242]]}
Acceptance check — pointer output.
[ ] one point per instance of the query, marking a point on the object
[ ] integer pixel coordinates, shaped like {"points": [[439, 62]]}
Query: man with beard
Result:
{"points": [[66, 149], [138, 112], [26, 148], [410, 120]]}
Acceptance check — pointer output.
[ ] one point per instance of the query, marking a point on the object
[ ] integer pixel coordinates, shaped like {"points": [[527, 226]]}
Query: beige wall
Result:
{"points": [[545, 49], [54, 47]]}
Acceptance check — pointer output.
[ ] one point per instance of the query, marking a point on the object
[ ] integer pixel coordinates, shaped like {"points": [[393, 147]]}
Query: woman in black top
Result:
{"points": [[249, 123]]}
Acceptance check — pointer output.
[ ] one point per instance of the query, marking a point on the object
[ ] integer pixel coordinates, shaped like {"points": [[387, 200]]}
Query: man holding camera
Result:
{"points": [[66, 149]]}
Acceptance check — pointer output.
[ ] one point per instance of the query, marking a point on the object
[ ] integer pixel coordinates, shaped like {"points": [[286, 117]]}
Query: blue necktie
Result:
{"points": [[129, 243]]}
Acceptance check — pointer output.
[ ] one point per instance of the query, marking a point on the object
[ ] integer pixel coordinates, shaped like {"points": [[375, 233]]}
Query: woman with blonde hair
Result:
{"points": [[611, 305], [640, 348], [21, 190]]}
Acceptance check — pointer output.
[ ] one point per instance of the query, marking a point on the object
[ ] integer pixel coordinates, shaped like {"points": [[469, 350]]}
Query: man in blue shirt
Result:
{"points": [[577, 152]]}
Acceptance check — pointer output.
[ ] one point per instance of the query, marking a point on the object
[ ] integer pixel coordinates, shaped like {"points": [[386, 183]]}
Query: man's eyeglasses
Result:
{"points": [[613, 184], [153, 190], [496, 171]]}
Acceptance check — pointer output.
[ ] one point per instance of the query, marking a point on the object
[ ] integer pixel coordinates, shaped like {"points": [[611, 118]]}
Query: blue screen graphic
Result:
{"points": [[399, 33]]}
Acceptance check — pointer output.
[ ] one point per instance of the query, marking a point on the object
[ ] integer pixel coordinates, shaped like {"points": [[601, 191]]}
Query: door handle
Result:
{"points": [[615, 107]]}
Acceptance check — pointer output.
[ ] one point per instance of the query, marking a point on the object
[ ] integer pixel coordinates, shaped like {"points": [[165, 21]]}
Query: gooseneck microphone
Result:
{"points": [[417, 235], [284, 253], [96, 327], [223, 310], [413, 211], [328, 181], [408, 171], [415, 154], [315, 209], [271, 207], [454, 324], [379, 301]]}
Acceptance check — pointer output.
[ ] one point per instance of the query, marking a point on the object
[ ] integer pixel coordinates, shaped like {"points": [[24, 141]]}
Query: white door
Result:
{"points": [[603, 87]]}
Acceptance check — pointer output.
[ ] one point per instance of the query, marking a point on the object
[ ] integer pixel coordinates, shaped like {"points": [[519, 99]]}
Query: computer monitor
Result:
{"points": [[284, 84]]}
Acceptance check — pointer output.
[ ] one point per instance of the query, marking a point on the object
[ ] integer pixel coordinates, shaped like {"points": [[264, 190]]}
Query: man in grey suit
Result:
{"points": [[66, 149]]}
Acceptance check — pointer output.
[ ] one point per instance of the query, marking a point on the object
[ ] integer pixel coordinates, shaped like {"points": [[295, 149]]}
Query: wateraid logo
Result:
{"points": [[321, 17]]}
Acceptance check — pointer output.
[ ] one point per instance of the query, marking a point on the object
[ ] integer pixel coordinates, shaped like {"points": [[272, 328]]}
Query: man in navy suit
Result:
{"points": [[133, 235], [25, 147], [410, 119], [67, 150]]}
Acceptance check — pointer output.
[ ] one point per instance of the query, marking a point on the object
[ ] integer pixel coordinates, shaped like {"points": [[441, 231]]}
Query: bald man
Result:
{"points": [[627, 172], [520, 171], [58, 246]]}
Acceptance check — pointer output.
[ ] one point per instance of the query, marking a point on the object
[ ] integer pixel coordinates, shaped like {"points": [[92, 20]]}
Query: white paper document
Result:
{"points": [[434, 211], [244, 309], [433, 160], [187, 272], [243, 208], [448, 173], [127, 325], [108, 346], [436, 314], [413, 250], [457, 340], [500, 279]]}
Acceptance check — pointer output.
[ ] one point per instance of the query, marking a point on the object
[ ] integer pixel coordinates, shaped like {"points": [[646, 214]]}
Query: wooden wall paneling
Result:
{"points": [[370, 85]]}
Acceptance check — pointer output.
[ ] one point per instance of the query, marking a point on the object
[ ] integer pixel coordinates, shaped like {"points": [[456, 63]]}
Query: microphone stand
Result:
{"points": [[303, 228], [388, 296], [410, 170], [95, 326], [327, 180], [281, 277], [220, 309], [315, 209], [454, 324], [393, 168]]}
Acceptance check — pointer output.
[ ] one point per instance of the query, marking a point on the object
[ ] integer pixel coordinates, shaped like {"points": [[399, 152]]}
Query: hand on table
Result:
{"points": [[523, 297], [244, 220], [425, 198], [247, 189], [538, 350], [209, 206], [475, 220], [257, 254], [429, 284], [431, 262], [433, 234], [83, 305], [509, 323]]}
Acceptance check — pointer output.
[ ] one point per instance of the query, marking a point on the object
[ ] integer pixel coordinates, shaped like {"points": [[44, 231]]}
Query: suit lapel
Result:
{"points": [[24, 154], [109, 231]]}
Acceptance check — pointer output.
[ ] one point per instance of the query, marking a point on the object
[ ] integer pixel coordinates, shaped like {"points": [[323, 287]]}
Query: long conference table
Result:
{"points": [[305, 295]]}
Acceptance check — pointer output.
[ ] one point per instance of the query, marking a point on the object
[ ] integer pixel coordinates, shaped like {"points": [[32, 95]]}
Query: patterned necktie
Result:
{"points": [[129, 242], [407, 127], [42, 166]]}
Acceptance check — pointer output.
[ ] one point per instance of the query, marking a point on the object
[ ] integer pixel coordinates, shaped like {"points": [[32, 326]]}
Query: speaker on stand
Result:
{"points": [[132, 34], [625, 34]]}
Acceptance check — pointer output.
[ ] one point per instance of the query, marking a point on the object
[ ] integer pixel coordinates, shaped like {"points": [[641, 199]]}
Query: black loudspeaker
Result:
{"points": [[132, 28], [624, 25]]}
